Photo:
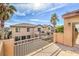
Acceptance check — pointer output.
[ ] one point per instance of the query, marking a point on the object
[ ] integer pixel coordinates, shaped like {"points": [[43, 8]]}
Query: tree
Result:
{"points": [[60, 28], [53, 20], [6, 12]]}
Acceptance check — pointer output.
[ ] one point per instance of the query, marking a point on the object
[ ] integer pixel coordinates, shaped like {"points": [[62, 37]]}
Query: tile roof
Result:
{"points": [[70, 14], [23, 25], [29, 25]]}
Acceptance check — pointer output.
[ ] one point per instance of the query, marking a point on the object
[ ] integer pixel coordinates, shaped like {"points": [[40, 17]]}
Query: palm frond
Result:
{"points": [[12, 8], [54, 18], [6, 11]]}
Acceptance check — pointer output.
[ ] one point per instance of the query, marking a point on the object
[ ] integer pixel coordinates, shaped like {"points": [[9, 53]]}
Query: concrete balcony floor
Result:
{"points": [[55, 49]]}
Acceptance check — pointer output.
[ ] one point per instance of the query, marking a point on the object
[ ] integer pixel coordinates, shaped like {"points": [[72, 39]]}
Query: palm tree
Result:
{"points": [[53, 20], [6, 12]]}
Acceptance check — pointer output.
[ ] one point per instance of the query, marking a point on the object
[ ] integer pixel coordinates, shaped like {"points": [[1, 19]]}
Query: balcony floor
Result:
{"points": [[54, 49]]}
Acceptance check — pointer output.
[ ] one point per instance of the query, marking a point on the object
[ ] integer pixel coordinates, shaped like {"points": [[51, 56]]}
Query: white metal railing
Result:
{"points": [[24, 47], [31, 39]]}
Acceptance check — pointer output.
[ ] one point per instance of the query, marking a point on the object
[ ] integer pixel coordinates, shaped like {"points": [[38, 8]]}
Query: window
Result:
{"points": [[28, 36], [48, 33], [15, 43], [39, 29], [0, 36], [23, 37], [28, 29], [36, 35], [42, 31], [17, 38], [17, 29]]}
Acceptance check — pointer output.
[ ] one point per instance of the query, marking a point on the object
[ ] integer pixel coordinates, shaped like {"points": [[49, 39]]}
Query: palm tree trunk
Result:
{"points": [[54, 34], [54, 28], [2, 29]]}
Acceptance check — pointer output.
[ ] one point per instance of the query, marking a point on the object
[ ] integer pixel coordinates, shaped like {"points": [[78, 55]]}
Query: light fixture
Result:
{"points": [[69, 23]]}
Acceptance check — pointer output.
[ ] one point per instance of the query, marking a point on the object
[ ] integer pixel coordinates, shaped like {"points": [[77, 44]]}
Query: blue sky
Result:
{"points": [[40, 13]]}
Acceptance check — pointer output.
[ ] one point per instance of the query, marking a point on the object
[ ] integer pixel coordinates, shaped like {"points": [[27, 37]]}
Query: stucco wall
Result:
{"points": [[1, 49], [69, 29], [8, 47], [36, 29], [23, 32], [59, 37]]}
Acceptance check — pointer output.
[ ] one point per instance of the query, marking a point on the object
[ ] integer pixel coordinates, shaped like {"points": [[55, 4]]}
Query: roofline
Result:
{"points": [[20, 26], [71, 14]]}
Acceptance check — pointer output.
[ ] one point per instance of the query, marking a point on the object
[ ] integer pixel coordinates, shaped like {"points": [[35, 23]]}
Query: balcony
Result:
{"points": [[53, 49], [24, 47]]}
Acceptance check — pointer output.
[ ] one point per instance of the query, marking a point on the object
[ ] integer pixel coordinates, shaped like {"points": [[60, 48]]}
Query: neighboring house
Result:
{"points": [[43, 31], [38, 30], [27, 31], [48, 29], [22, 31], [20, 36]]}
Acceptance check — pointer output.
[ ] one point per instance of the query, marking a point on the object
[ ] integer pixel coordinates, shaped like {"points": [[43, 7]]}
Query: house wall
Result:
{"points": [[36, 29], [23, 31], [46, 30], [69, 36], [68, 29]]}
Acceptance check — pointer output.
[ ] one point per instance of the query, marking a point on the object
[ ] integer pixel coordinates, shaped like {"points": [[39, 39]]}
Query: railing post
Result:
{"points": [[54, 37]]}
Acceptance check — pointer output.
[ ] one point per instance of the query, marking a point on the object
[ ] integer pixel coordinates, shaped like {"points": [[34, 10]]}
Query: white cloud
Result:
{"points": [[39, 21], [9, 23], [13, 21], [32, 21], [35, 20], [30, 7], [23, 5], [20, 13], [53, 8]]}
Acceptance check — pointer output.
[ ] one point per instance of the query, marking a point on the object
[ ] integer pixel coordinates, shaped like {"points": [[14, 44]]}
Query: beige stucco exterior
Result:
{"points": [[8, 47], [69, 23], [46, 28], [36, 29], [1, 48], [59, 37], [23, 31], [33, 30], [70, 19]]}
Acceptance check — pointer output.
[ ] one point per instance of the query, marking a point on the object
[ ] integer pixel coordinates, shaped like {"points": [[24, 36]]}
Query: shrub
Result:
{"points": [[60, 28]]}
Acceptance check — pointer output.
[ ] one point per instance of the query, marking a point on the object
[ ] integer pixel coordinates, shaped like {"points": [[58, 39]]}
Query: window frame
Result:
{"points": [[28, 29], [28, 36], [17, 29], [17, 38]]}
